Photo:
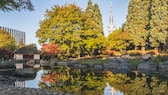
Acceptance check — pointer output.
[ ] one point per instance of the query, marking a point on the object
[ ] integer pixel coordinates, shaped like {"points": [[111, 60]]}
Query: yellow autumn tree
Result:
{"points": [[7, 41]]}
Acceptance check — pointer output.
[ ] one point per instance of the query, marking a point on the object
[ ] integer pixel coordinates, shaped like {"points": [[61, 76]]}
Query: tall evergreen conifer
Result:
{"points": [[93, 33], [98, 18], [158, 23], [137, 21]]}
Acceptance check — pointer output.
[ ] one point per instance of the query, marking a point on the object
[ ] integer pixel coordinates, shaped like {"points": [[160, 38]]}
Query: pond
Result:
{"points": [[82, 82], [35, 84]]}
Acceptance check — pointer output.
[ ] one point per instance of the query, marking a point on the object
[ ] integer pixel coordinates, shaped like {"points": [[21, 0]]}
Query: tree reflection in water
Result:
{"points": [[91, 83], [74, 81]]}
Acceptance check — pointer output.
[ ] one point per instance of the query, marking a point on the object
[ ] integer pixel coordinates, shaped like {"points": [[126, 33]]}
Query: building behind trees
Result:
{"points": [[18, 35]]}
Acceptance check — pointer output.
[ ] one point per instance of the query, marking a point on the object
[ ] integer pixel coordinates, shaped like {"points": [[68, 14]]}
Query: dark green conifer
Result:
{"points": [[158, 22], [98, 18], [137, 21], [93, 32]]}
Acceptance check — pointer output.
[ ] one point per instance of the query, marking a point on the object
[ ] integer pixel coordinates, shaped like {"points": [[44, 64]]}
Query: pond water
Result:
{"points": [[34, 83], [82, 82]]}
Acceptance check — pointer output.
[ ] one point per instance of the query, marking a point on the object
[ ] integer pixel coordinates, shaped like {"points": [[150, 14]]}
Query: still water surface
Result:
{"points": [[102, 83], [34, 84]]}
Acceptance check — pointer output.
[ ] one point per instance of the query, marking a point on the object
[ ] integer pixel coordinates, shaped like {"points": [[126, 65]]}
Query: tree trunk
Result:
{"points": [[143, 50], [78, 56], [156, 51], [92, 53], [135, 48]]}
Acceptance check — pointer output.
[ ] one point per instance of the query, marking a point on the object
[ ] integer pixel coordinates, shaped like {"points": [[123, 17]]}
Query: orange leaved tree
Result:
{"points": [[49, 51]]}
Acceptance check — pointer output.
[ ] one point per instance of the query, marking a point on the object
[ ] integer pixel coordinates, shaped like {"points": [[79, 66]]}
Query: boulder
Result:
{"points": [[125, 56], [147, 65], [81, 66], [120, 63], [44, 63], [146, 56], [72, 63], [62, 64], [98, 67], [164, 66], [52, 63]]}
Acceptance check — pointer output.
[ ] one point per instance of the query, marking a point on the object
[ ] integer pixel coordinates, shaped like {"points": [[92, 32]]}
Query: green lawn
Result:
{"points": [[135, 62]]}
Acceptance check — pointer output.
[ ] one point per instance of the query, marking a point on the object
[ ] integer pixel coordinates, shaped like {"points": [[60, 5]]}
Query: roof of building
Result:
{"points": [[27, 50]]}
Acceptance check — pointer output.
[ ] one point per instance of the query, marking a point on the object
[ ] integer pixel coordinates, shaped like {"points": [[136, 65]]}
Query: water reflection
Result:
{"points": [[73, 81], [111, 91], [31, 82], [34, 83], [79, 82], [20, 83]]}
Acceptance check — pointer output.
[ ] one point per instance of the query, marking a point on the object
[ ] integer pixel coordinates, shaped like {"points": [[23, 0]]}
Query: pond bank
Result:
{"points": [[9, 90], [7, 87], [114, 63]]}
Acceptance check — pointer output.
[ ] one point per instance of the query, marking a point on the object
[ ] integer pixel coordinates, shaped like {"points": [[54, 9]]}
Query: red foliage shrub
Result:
{"points": [[49, 50]]}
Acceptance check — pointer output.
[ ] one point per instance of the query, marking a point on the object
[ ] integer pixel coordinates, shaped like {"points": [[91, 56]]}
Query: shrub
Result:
{"points": [[5, 54], [160, 58], [49, 51]]}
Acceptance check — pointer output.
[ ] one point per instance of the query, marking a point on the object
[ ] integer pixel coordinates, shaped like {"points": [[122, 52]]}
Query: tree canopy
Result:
{"points": [[119, 40], [93, 37], [11, 5], [158, 23], [76, 32], [6, 40], [137, 21], [63, 27], [147, 22]]}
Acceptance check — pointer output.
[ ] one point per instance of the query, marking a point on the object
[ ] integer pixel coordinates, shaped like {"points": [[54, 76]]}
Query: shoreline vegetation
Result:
{"points": [[132, 57]]}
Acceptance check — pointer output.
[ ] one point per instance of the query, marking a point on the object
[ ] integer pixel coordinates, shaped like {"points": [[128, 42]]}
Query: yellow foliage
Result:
{"points": [[6, 40]]}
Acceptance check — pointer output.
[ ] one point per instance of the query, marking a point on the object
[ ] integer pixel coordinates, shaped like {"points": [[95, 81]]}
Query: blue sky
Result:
{"points": [[29, 21]]}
